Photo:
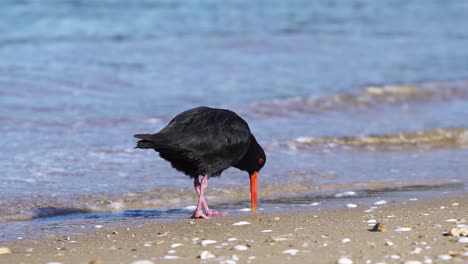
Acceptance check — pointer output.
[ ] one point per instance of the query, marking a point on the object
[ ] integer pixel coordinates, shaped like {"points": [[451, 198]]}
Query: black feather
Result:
{"points": [[204, 141]]}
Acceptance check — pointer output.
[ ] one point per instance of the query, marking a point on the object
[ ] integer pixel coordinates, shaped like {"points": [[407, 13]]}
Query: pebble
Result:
{"points": [[245, 209], [206, 255], [172, 251], [451, 220], [142, 262], [232, 239], [176, 245], [291, 252], [456, 232], [170, 257], [241, 223], [207, 242], [389, 243], [351, 205], [314, 204], [393, 256], [266, 231], [4, 250], [98, 226], [344, 261], [380, 202], [462, 240], [402, 229], [379, 227], [371, 221], [413, 199], [412, 262], [240, 247], [416, 251], [345, 240], [444, 257]]}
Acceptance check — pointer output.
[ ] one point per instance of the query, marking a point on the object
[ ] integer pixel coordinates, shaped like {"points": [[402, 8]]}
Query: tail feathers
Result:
{"points": [[154, 141], [145, 144], [144, 136]]}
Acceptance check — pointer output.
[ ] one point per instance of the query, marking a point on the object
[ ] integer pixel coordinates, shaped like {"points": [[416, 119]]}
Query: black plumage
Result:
{"points": [[206, 141]]}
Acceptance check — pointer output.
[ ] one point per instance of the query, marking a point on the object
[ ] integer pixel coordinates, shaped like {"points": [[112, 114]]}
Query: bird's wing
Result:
{"points": [[211, 135]]}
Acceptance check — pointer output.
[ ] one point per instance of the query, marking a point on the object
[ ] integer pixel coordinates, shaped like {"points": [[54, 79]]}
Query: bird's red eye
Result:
{"points": [[260, 161]]}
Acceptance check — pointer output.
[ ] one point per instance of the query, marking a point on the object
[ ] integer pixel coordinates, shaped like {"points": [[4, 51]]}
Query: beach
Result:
{"points": [[360, 107], [411, 230]]}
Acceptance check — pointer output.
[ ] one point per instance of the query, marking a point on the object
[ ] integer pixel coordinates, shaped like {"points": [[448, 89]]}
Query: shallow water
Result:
{"points": [[365, 96]]}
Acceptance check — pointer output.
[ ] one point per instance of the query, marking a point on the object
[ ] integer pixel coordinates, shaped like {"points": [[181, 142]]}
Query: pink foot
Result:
{"points": [[212, 213], [199, 215]]}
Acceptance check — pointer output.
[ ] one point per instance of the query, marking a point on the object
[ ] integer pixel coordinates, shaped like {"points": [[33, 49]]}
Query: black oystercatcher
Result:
{"points": [[204, 142]]}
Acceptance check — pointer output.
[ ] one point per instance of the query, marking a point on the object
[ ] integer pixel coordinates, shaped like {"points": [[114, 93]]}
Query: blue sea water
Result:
{"points": [[79, 78]]}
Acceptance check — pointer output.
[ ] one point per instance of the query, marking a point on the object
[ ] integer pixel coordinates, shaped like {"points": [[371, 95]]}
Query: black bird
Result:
{"points": [[204, 142]]}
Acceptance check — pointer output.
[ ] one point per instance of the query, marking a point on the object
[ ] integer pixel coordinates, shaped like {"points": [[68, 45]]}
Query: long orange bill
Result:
{"points": [[253, 191]]}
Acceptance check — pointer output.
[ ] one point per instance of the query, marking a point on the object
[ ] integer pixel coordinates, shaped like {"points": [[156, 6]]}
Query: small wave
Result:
{"points": [[365, 98], [436, 138]]}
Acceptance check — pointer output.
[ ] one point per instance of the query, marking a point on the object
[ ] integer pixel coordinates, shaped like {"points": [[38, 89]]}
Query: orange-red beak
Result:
{"points": [[253, 191]]}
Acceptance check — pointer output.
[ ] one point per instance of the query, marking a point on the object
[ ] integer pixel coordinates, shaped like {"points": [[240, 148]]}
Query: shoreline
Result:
{"points": [[299, 236]]}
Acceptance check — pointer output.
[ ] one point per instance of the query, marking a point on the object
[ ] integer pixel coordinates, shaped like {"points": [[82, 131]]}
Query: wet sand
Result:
{"points": [[301, 236]]}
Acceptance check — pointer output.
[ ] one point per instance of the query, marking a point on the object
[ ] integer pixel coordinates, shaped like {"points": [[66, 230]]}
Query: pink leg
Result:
{"points": [[200, 188], [208, 211], [199, 211]]}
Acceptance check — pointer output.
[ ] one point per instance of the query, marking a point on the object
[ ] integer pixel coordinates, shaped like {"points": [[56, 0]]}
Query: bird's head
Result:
{"points": [[253, 162]]}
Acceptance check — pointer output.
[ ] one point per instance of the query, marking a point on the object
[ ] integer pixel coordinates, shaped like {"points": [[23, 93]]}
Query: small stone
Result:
{"points": [[232, 239], [290, 252], [142, 262], [379, 227], [314, 204], [412, 262], [345, 240], [176, 245], [457, 232], [444, 257], [206, 255], [240, 247], [266, 231], [276, 218], [351, 205], [172, 251], [416, 251], [371, 221], [393, 256], [402, 229], [170, 257], [241, 223], [451, 220], [245, 209], [98, 226], [4, 250], [389, 243], [344, 261], [380, 202], [207, 242], [462, 240]]}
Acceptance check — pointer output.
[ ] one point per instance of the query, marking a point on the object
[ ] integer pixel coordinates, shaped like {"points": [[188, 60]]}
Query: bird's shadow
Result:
{"points": [[70, 213]]}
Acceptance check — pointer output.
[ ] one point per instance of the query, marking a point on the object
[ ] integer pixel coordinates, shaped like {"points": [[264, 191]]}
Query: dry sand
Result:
{"points": [[320, 236]]}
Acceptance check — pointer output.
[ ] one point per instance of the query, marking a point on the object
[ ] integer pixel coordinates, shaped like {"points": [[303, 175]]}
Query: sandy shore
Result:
{"points": [[314, 236]]}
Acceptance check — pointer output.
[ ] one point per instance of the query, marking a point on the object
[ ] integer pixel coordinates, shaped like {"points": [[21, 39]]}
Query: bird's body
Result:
{"points": [[206, 141]]}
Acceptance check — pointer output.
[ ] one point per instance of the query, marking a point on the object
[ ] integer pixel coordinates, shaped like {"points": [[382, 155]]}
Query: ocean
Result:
{"points": [[352, 101]]}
